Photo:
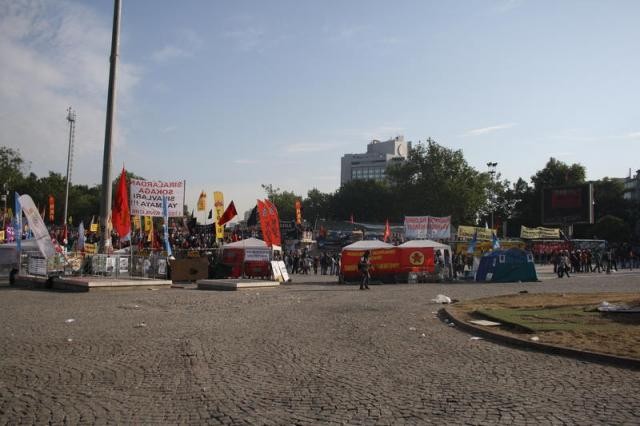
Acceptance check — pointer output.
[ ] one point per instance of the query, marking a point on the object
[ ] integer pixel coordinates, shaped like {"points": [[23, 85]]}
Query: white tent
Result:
{"points": [[249, 243], [368, 245], [426, 244]]}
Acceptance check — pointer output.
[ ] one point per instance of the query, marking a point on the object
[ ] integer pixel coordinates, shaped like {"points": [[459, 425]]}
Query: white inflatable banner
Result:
{"points": [[37, 226]]}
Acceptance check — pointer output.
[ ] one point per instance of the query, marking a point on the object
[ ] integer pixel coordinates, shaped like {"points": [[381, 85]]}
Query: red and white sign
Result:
{"points": [[427, 227], [146, 197]]}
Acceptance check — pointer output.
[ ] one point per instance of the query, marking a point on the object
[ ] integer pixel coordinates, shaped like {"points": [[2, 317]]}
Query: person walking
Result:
{"points": [[564, 266], [364, 267]]}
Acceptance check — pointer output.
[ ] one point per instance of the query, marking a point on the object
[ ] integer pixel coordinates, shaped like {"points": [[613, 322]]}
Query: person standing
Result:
{"points": [[364, 267]]}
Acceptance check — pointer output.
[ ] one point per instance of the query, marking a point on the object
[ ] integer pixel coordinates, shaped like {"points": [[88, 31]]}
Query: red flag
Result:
{"points": [[51, 208], [274, 219], [120, 216], [265, 225], [387, 231], [298, 212], [228, 214]]}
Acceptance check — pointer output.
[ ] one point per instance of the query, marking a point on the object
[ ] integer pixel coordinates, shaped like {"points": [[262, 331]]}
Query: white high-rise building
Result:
{"points": [[373, 164]]}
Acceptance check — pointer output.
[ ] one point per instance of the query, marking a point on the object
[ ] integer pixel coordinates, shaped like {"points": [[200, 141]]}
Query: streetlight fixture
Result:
{"points": [[492, 173]]}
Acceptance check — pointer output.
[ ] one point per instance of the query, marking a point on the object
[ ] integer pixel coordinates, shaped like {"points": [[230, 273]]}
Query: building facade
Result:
{"points": [[373, 163], [632, 187]]}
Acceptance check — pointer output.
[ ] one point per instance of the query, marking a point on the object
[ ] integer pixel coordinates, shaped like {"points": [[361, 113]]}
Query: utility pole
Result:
{"points": [[105, 202], [71, 118], [492, 174]]}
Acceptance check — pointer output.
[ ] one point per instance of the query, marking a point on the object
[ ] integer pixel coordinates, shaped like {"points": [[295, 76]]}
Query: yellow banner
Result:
{"points": [[90, 248], [93, 227], [2, 235], [148, 223], [136, 222], [486, 246], [539, 232], [218, 203], [467, 232], [202, 202]]}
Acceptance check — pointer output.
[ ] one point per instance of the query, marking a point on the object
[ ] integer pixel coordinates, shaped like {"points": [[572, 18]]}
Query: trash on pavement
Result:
{"points": [[441, 298], [475, 338], [140, 325], [70, 320], [535, 338]]}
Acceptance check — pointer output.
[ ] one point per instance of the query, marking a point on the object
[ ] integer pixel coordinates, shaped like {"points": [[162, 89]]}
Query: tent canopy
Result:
{"points": [[511, 265], [249, 243], [425, 244], [368, 245]]}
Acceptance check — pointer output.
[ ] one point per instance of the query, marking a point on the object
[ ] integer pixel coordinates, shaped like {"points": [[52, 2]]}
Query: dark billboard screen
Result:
{"points": [[567, 205]]}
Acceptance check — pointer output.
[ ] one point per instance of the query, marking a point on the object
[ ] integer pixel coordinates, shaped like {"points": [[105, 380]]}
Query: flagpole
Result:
{"points": [[105, 202]]}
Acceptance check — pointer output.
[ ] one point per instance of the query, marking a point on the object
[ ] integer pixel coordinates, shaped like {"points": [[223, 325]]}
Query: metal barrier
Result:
{"points": [[153, 265]]}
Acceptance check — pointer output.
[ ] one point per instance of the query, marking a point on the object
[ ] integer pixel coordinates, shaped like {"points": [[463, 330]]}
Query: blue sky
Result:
{"points": [[231, 95]]}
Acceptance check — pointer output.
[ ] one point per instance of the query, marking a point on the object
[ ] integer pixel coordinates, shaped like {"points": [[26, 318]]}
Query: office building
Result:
{"points": [[373, 163]]}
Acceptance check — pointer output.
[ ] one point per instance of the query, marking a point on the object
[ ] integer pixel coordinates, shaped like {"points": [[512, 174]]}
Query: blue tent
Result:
{"points": [[506, 266]]}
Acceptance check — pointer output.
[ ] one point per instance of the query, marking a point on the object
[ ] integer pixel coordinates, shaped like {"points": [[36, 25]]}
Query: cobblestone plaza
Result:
{"points": [[303, 353]]}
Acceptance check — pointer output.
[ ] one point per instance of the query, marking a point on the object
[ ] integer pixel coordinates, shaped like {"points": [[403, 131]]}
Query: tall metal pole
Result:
{"points": [[71, 118], [105, 202]]}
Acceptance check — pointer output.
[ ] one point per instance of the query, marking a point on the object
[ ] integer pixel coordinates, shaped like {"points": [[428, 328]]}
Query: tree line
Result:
{"points": [[435, 180]]}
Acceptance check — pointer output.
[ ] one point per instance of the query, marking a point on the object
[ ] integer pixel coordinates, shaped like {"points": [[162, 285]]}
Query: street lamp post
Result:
{"points": [[71, 118], [492, 174]]}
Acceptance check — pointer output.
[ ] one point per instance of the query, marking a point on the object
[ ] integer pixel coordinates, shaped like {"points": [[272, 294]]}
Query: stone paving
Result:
{"points": [[299, 354]]}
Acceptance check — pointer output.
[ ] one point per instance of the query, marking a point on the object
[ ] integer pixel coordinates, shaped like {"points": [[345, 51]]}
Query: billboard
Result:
{"points": [[567, 205]]}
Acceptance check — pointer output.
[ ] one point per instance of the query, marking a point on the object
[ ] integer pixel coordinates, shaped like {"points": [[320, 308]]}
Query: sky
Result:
{"points": [[229, 95]]}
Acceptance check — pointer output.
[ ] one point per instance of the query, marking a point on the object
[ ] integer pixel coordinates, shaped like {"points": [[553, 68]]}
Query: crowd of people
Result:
{"points": [[303, 262], [566, 262]]}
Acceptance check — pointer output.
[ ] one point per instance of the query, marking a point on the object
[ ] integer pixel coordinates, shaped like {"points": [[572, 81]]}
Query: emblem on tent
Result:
{"points": [[416, 258]]}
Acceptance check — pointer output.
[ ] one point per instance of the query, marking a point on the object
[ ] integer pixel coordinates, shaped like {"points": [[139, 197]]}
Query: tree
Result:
{"points": [[557, 173], [285, 201], [317, 204], [438, 181], [366, 200], [612, 229]]}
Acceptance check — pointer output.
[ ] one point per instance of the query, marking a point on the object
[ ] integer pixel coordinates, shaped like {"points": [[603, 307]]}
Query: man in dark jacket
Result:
{"points": [[364, 266]]}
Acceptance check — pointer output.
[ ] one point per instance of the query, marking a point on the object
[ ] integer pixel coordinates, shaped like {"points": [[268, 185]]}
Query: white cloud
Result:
{"points": [[485, 130], [308, 147], [55, 55], [633, 135], [187, 42]]}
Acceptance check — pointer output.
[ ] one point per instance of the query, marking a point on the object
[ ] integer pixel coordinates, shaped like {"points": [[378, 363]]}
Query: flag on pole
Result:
{"points": [[387, 231], [202, 201], [351, 219], [298, 212], [472, 244], [165, 225], [52, 206], [495, 243], [228, 214], [120, 216], [218, 206], [253, 217], [274, 220], [18, 228]]}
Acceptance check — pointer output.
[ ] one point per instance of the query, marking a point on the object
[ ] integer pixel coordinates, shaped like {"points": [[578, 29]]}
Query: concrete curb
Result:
{"points": [[596, 357]]}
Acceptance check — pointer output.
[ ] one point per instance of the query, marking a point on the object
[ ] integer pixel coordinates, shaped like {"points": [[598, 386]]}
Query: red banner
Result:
{"points": [[383, 262], [274, 220], [263, 213], [298, 212], [51, 208], [416, 259]]}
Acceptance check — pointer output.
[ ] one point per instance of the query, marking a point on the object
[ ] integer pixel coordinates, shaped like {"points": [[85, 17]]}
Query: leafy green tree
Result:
{"points": [[317, 204], [438, 181], [612, 229], [285, 201], [366, 200], [557, 173]]}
